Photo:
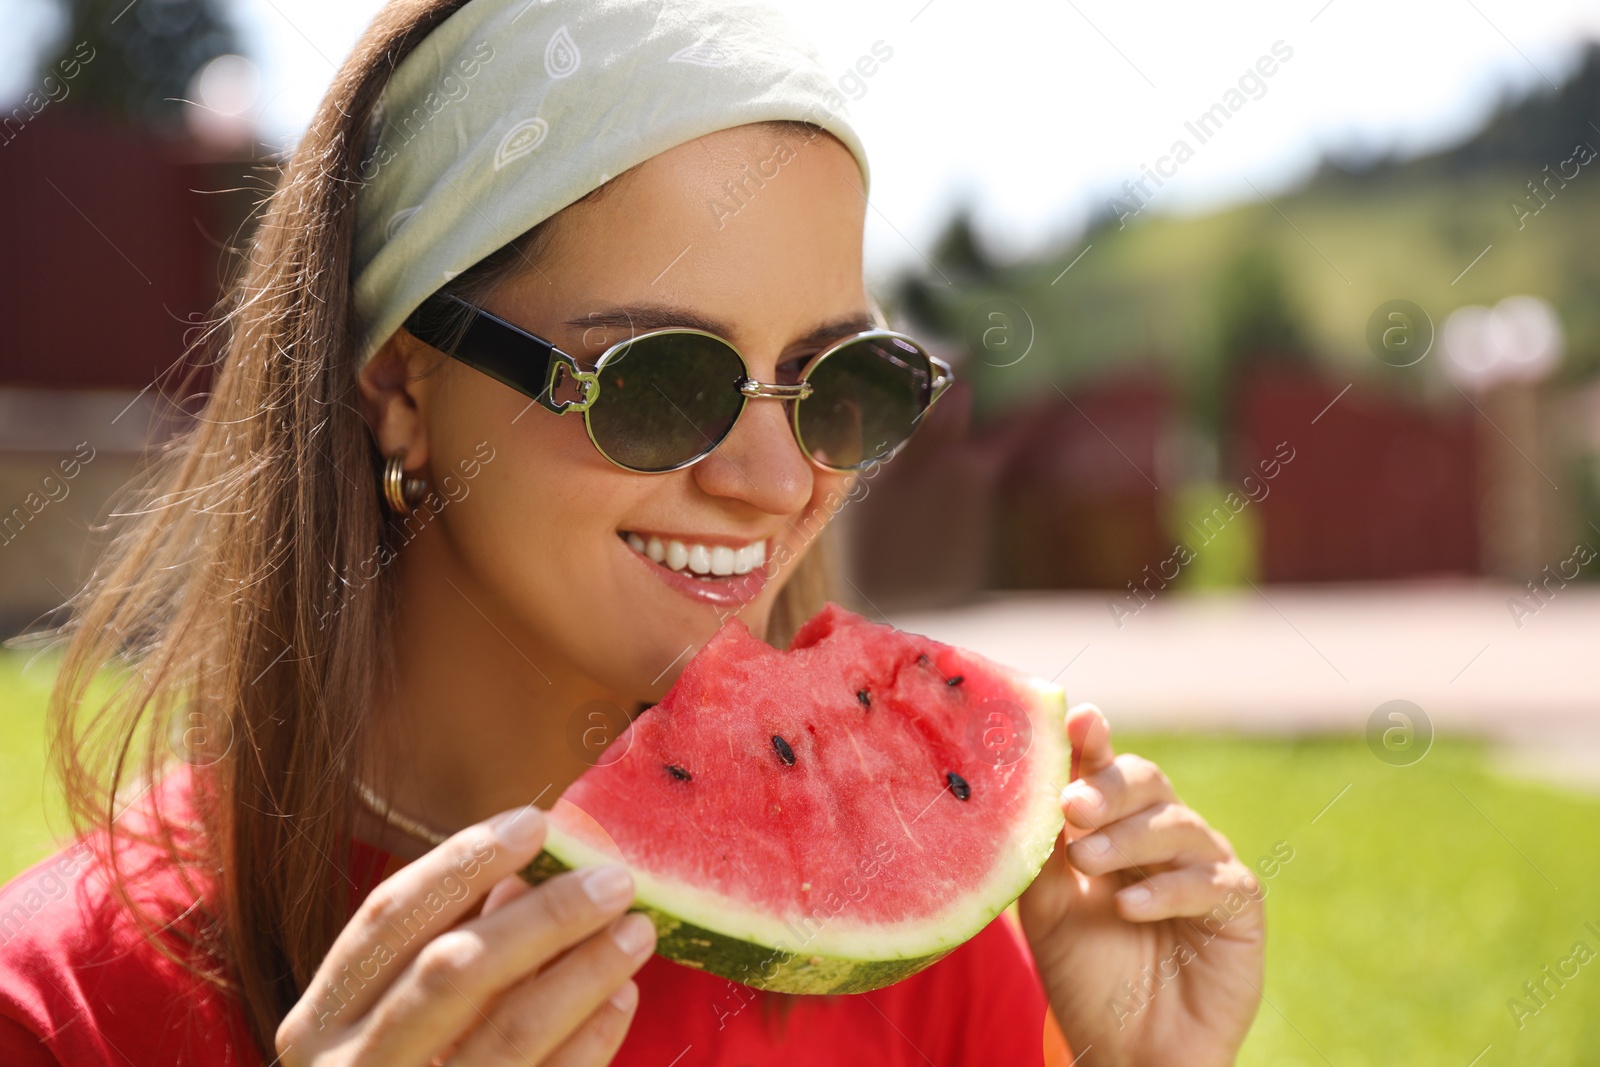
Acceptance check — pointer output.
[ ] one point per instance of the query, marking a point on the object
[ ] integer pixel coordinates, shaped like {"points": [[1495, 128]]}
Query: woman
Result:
{"points": [[368, 596]]}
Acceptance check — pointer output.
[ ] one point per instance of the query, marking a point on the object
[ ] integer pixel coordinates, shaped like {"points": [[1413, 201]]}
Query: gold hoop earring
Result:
{"points": [[400, 492]]}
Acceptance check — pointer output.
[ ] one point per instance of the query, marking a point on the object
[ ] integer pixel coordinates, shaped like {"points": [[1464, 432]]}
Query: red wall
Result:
{"points": [[1379, 487], [1077, 502], [110, 250]]}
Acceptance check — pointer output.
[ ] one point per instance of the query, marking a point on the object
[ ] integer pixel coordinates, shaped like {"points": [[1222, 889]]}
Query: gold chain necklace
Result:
{"points": [[404, 823]]}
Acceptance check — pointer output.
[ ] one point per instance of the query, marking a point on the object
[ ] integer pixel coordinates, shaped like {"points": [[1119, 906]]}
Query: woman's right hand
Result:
{"points": [[455, 955]]}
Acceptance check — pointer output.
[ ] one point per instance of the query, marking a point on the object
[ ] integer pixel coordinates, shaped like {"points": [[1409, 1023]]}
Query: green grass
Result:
{"points": [[28, 810], [1415, 906], [1418, 900]]}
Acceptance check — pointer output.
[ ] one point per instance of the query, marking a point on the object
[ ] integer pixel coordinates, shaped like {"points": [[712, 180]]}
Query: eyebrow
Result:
{"points": [[659, 316]]}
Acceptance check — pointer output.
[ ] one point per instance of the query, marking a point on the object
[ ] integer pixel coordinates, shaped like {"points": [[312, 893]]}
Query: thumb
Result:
{"points": [[1061, 888], [1059, 891], [1089, 734]]}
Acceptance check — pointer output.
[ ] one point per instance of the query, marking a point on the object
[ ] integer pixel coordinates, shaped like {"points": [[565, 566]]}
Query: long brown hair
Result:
{"points": [[223, 588]]}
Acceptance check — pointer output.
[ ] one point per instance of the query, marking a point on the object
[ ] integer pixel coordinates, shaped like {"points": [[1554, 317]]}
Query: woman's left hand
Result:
{"points": [[1146, 928]]}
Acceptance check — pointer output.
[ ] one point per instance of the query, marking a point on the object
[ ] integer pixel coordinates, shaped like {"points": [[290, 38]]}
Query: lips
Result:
{"points": [[713, 570]]}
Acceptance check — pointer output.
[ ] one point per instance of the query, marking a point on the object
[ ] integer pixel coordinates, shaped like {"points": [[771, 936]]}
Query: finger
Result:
{"points": [[504, 892], [407, 909], [596, 1042], [545, 1010], [1163, 833], [1219, 892], [1089, 734], [460, 973], [1129, 784]]}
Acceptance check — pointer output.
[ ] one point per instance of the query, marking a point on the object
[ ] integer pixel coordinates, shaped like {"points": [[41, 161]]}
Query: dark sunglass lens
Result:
{"points": [[666, 400], [865, 401]]}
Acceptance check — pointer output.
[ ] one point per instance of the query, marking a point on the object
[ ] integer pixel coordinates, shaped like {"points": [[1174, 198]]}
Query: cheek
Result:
{"points": [[536, 534], [830, 493], [536, 538], [540, 512], [830, 496], [543, 470]]}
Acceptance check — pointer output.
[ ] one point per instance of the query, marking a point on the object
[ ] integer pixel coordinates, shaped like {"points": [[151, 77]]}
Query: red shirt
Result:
{"points": [[80, 986]]}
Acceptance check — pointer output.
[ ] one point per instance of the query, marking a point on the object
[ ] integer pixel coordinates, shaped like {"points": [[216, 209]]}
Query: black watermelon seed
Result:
{"points": [[678, 772], [958, 785], [785, 753], [922, 659], [955, 679], [865, 698]]}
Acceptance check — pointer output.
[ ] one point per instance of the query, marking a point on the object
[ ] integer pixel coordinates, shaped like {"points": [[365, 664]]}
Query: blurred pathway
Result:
{"points": [[1307, 658]]}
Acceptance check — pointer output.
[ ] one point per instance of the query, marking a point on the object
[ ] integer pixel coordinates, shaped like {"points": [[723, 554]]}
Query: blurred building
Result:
{"points": [[1074, 491], [116, 246], [1379, 487]]}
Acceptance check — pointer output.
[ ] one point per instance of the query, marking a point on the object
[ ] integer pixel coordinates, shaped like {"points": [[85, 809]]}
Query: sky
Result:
{"points": [[1036, 113]]}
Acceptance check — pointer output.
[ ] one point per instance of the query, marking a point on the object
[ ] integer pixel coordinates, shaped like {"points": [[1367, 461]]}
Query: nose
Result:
{"points": [[760, 462]]}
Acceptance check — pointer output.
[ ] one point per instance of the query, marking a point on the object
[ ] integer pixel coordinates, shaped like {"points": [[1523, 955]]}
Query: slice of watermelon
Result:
{"points": [[827, 819]]}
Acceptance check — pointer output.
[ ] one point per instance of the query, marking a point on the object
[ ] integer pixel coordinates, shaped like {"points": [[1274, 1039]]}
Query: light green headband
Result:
{"points": [[512, 109]]}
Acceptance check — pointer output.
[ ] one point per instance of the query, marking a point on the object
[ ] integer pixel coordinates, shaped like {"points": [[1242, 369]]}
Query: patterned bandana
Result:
{"points": [[512, 109]]}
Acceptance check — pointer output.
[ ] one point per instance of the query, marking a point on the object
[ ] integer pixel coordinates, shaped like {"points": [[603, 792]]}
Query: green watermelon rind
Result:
{"points": [[709, 932], [750, 963]]}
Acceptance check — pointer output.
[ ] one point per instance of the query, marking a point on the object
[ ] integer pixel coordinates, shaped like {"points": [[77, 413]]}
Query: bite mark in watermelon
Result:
{"points": [[827, 819]]}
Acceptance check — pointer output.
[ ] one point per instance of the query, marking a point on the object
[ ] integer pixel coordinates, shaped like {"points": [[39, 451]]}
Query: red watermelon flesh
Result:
{"points": [[830, 818]]}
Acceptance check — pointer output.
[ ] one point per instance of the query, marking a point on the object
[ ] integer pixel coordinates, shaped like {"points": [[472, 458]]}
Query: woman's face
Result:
{"points": [[704, 234]]}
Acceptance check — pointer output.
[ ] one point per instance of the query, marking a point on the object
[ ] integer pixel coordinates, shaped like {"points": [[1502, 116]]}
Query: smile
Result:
{"points": [[702, 560]]}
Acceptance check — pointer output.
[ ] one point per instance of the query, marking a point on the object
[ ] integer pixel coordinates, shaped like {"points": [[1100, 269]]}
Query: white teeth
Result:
{"points": [[715, 560]]}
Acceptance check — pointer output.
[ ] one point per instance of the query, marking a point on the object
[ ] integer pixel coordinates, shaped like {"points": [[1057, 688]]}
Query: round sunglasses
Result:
{"points": [[665, 399]]}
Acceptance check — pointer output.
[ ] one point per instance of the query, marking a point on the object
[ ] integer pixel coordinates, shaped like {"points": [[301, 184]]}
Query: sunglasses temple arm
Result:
{"points": [[503, 351], [944, 378]]}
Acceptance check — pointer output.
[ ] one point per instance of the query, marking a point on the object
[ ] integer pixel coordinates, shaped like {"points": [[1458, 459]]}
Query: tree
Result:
{"points": [[1255, 318], [959, 249], [145, 54], [1256, 325]]}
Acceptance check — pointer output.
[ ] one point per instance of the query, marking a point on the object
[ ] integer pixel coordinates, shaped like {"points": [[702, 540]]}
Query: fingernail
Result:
{"points": [[517, 828], [1085, 796], [1136, 897], [635, 935], [608, 886], [625, 998], [1096, 844]]}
